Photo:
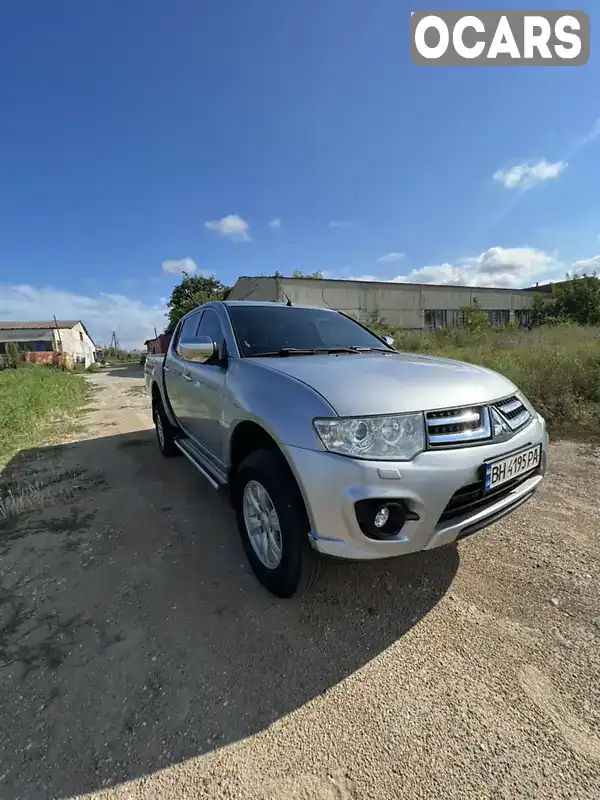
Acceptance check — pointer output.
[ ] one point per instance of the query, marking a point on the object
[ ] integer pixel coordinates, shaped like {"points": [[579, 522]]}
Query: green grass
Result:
{"points": [[37, 405], [558, 368]]}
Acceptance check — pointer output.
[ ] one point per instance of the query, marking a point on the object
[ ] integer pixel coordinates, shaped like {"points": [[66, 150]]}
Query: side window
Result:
{"points": [[189, 329], [210, 326]]}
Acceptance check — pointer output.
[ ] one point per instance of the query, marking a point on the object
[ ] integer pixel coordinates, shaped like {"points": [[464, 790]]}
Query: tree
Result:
{"points": [[577, 299], [376, 322], [540, 309], [191, 292], [318, 275], [475, 319]]}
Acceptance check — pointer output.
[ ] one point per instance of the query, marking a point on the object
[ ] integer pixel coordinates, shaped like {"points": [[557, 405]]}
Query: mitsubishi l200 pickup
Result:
{"points": [[332, 443]]}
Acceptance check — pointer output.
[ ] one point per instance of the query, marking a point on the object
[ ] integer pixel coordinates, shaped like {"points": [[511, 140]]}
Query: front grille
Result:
{"points": [[473, 498], [460, 427], [513, 411], [457, 426]]}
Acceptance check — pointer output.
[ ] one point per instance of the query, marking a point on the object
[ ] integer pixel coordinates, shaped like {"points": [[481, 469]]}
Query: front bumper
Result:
{"points": [[332, 484]]}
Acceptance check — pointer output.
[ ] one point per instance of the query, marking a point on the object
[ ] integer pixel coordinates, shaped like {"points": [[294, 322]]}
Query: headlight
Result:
{"points": [[395, 438]]}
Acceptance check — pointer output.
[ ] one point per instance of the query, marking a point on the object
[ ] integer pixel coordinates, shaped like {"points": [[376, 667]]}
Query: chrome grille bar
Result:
{"points": [[458, 426], [511, 405], [467, 416], [513, 411]]}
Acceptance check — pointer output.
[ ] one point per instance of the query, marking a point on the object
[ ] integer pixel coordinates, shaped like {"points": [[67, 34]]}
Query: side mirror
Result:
{"points": [[198, 350], [389, 340]]}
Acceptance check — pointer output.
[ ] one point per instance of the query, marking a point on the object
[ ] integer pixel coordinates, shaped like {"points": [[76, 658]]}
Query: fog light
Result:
{"points": [[381, 517]]}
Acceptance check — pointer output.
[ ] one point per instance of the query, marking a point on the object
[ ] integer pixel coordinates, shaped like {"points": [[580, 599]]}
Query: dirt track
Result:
{"points": [[139, 658]]}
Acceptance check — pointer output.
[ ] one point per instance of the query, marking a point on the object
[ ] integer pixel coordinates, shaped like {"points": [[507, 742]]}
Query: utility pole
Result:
{"points": [[58, 337], [114, 344]]}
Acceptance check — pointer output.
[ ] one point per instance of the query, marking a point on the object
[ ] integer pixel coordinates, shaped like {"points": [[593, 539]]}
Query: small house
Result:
{"points": [[44, 341]]}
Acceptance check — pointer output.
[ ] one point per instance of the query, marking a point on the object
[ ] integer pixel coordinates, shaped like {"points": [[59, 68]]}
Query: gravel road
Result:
{"points": [[139, 658]]}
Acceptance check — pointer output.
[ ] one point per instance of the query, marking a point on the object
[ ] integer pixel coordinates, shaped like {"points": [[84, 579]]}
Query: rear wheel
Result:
{"points": [[165, 432], [273, 524]]}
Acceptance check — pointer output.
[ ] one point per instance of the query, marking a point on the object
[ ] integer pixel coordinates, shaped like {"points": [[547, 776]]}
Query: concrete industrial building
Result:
{"points": [[405, 305]]}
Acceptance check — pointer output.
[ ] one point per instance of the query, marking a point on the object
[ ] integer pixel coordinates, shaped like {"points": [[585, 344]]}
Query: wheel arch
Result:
{"points": [[155, 394], [248, 437], [158, 395]]}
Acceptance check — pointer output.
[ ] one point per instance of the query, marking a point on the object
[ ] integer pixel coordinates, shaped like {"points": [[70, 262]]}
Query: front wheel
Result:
{"points": [[273, 525]]}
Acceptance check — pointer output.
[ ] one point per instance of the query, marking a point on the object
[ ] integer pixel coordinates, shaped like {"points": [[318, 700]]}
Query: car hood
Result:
{"points": [[381, 383]]}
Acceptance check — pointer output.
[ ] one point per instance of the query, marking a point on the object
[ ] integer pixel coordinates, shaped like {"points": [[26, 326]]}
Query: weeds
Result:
{"points": [[21, 499], [35, 404], [558, 368]]}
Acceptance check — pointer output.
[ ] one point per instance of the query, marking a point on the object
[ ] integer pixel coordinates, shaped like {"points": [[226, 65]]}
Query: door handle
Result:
{"points": [[166, 369], [187, 377]]}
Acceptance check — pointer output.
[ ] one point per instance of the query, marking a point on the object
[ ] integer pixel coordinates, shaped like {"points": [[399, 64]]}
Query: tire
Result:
{"points": [[299, 565], [166, 441]]}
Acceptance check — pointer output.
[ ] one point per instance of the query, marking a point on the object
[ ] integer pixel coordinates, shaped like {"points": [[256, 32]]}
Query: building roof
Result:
{"points": [[24, 326], [547, 287], [271, 303], [59, 323], [407, 284]]}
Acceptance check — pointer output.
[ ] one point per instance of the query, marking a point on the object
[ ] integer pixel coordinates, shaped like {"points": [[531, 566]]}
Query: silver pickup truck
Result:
{"points": [[330, 442]]}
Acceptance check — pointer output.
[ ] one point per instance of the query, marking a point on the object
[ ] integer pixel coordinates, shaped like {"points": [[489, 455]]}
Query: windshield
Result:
{"points": [[271, 329]]}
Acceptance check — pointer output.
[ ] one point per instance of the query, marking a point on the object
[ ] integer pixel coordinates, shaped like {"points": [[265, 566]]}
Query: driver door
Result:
{"points": [[204, 392], [176, 377]]}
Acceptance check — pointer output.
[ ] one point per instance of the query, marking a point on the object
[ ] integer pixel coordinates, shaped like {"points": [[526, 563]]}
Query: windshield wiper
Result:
{"points": [[352, 349], [286, 351], [314, 351]]}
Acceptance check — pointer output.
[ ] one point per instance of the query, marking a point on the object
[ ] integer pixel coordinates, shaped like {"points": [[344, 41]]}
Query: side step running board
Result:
{"points": [[187, 452]]}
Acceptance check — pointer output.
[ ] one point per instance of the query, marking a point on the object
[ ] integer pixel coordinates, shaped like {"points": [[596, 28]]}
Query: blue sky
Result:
{"points": [[249, 137]]}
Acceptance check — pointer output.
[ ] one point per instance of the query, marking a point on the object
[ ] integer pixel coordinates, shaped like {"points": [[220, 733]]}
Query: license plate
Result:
{"points": [[505, 469]]}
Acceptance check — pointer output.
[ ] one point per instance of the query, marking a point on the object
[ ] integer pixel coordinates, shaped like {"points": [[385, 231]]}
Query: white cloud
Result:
{"points": [[588, 138], [232, 226], [587, 265], [132, 320], [389, 258], [504, 267], [275, 224], [527, 174], [178, 265], [339, 223], [368, 278]]}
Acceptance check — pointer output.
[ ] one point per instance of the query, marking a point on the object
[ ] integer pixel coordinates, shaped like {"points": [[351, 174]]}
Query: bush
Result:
{"points": [[376, 322], [14, 355], [93, 367], [558, 368]]}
